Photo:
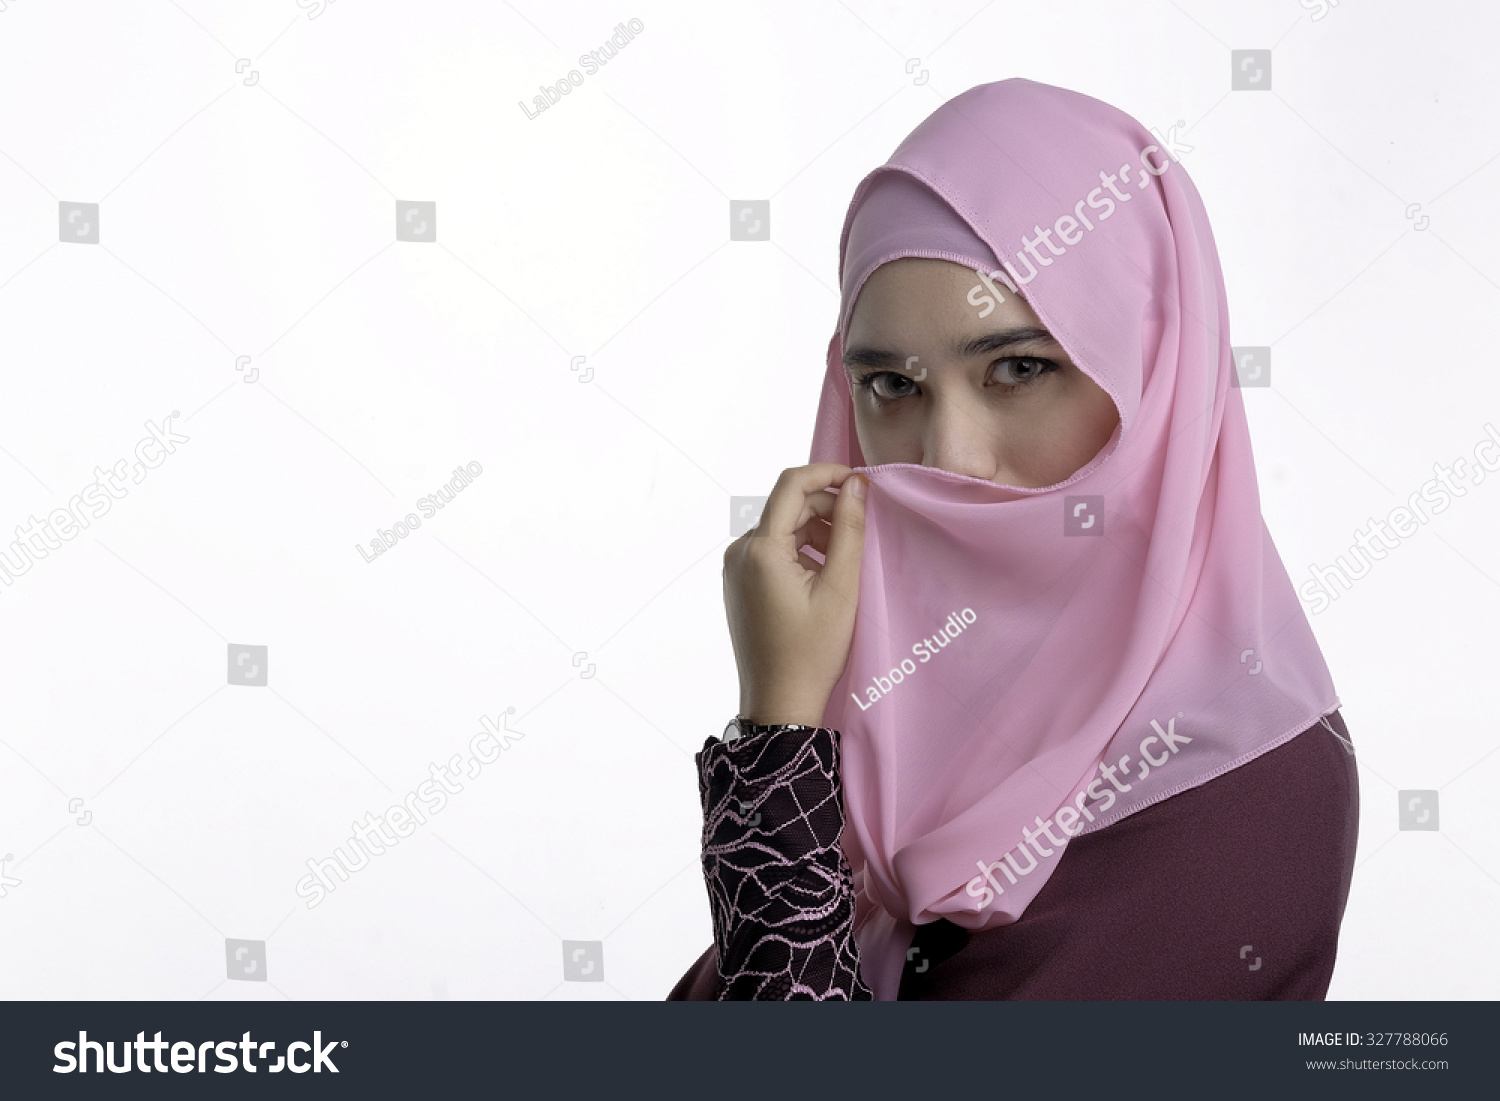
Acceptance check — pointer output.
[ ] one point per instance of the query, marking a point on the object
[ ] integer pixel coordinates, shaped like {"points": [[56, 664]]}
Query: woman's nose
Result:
{"points": [[959, 439]]}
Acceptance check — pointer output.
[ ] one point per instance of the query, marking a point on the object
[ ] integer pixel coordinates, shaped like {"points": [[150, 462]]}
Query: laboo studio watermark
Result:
{"points": [[400, 529], [592, 62], [925, 650]]}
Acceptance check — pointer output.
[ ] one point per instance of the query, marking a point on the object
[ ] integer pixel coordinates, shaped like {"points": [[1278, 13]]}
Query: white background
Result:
{"points": [[259, 220]]}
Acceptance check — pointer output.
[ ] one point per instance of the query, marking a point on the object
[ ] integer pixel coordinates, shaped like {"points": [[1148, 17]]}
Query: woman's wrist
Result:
{"points": [[780, 713]]}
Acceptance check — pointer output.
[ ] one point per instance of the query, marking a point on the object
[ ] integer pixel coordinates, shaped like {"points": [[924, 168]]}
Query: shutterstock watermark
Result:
{"points": [[1155, 751], [34, 540], [1319, 8], [1070, 227], [401, 819], [386, 538], [1401, 523]]}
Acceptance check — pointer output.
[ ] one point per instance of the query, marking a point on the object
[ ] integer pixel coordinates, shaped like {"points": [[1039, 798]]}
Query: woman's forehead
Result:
{"points": [[937, 295]]}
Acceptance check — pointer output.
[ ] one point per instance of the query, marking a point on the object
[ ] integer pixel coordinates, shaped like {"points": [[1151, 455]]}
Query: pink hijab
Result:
{"points": [[1033, 664]]}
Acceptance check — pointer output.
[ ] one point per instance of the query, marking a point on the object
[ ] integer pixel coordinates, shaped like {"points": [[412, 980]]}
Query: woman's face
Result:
{"points": [[1000, 399]]}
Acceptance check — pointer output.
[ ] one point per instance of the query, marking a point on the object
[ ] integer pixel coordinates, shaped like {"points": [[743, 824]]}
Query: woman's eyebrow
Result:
{"points": [[983, 344]]}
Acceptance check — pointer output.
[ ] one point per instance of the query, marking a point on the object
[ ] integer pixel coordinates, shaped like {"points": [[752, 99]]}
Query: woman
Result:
{"points": [[1038, 714]]}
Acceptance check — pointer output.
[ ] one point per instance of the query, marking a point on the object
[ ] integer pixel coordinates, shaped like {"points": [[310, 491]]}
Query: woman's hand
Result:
{"points": [[791, 621]]}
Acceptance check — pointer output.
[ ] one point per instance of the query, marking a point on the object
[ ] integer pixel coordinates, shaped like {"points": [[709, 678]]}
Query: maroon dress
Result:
{"points": [[1234, 889]]}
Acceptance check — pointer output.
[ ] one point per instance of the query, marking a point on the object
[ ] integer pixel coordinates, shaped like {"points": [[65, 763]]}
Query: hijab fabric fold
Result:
{"points": [[1032, 664]]}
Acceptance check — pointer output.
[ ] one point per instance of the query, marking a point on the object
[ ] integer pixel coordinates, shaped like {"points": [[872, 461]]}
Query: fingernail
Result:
{"points": [[858, 488]]}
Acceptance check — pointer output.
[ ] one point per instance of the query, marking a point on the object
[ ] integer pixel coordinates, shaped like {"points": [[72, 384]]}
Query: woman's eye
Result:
{"points": [[1018, 370], [1010, 373], [886, 393]]}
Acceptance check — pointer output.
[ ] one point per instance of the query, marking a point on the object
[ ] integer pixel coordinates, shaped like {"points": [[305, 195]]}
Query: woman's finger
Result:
{"points": [[788, 507], [813, 534], [816, 525], [820, 505], [841, 564]]}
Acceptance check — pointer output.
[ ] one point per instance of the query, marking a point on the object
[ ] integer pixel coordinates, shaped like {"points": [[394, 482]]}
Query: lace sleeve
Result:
{"points": [[780, 889]]}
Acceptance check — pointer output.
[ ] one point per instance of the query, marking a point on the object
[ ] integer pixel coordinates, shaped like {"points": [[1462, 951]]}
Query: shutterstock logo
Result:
{"points": [[1083, 515], [190, 1058]]}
